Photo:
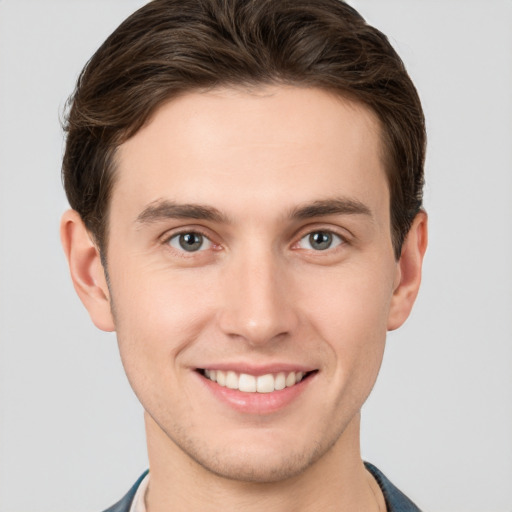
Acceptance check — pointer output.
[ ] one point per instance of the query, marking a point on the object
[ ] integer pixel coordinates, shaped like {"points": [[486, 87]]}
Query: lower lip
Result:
{"points": [[257, 403]]}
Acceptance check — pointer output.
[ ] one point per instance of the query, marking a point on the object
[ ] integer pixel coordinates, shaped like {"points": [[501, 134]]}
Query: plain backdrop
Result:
{"points": [[439, 422]]}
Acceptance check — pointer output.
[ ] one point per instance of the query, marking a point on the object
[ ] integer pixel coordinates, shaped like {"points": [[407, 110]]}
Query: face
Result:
{"points": [[250, 248]]}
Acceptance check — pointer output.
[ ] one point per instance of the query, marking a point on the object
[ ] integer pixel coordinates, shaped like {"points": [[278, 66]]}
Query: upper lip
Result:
{"points": [[256, 370]]}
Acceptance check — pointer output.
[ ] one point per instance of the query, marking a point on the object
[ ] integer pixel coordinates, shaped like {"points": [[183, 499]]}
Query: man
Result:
{"points": [[246, 180]]}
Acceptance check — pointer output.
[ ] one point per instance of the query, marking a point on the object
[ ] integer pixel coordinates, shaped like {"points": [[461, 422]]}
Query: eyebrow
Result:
{"points": [[164, 209], [337, 206]]}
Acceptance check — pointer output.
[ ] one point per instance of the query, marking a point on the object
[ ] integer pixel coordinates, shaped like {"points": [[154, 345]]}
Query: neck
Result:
{"points": [[337, 481]]}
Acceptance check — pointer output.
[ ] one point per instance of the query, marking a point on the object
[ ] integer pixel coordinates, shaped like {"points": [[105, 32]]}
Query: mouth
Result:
{"points": [[247, 383]]}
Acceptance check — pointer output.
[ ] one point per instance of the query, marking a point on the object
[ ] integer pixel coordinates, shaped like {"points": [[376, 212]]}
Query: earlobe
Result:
{"points": [[409, 272], [86, 270]]}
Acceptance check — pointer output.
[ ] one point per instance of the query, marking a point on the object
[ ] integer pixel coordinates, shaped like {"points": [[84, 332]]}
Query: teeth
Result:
{"points": [[247, 383], [251, 384], [231, 380], [265, 383], [221, 378], [280, 382]]}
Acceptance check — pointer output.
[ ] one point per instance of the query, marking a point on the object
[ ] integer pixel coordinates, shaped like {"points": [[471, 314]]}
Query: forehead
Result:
{"points": [[284, 144]]}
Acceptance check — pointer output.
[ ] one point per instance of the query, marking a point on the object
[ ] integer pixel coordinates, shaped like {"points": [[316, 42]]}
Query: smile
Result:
{"points": [[247, 383]]}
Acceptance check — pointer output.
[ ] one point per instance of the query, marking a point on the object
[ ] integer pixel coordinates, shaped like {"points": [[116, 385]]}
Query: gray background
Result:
{"points": [[439, 422]]}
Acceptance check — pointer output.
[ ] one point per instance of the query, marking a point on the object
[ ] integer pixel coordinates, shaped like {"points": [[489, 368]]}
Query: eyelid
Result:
{"points": [[206, 243], [344, 234], [335, 243], [183, 230]]}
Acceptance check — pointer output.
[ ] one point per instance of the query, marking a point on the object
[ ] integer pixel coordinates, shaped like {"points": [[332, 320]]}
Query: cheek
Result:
{"points": [[157, 318], [157, 314], [352, 299], [349, 309]]}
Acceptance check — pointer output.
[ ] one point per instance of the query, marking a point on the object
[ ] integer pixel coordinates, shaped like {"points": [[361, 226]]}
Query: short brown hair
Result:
{"points": [[169, 47]]}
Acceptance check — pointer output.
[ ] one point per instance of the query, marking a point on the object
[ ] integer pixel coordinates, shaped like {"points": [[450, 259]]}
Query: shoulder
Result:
{"points": [[396, 500], [124, 504]]}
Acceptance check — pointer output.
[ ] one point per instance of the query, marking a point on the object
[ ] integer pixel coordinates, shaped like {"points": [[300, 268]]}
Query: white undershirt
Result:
{"points": [[138, 503]]}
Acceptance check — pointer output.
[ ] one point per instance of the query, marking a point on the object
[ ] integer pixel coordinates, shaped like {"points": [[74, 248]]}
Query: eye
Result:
{"points": [[190, 242], [320, 241]]}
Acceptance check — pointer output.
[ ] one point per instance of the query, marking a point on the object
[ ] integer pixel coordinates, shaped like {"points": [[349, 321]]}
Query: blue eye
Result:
{"points": [[190, 242], [320, 241]]}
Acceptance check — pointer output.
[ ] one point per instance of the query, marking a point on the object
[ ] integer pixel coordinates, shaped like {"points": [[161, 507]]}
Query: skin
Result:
{"points": [[256, 293]]}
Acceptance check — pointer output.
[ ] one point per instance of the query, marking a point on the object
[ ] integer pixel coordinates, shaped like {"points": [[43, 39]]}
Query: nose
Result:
{"points": [[257, 299]]}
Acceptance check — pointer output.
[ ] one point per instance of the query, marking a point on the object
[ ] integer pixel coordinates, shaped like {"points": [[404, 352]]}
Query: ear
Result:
{"points": [[86, 270], [409, 272]]}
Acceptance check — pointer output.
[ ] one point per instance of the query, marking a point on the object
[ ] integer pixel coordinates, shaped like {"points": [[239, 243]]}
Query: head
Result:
{"points": [[249, 172], [199, 45]]}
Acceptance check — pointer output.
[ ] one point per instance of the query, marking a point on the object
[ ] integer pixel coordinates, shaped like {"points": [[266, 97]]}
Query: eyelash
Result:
{"points": [[335, 238], [194, 231], [341, 241]]}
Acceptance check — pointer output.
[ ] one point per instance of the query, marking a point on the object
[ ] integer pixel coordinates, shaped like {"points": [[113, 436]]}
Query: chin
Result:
{"points": [[258, 468], [258, 462]]}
